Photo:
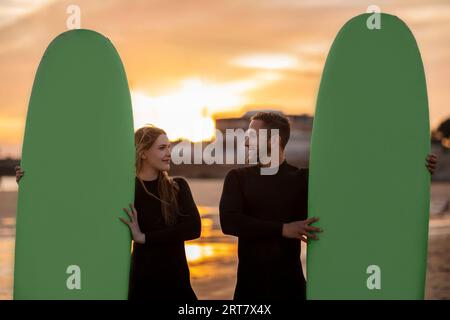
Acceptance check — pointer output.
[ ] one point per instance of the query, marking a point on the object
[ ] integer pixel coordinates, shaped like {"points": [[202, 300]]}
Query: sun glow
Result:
{"points": [[186, 112], [180, 114], [268, 61]]}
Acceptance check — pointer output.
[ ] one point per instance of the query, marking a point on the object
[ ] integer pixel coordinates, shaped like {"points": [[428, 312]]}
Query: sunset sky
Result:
{"points": [[208, 58]]}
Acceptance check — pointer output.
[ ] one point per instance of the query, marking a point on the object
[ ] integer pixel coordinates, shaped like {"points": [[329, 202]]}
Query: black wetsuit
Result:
{"points": [[159, 269], [253, 207]]}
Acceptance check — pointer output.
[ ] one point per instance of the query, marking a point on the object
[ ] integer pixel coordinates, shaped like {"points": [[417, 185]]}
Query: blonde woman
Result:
{"points": [[163, 216]]}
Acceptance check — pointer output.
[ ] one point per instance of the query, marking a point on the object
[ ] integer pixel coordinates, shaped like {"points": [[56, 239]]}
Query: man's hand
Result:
{"points": [[431, 163], [301, 230]]}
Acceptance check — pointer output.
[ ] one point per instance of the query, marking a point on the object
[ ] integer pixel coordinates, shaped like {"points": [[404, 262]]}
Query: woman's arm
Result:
{"points": [[431, 163], [19, 173], [188, 226]]}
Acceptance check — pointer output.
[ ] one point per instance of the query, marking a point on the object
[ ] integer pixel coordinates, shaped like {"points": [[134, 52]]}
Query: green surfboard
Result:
{"points": [[368, 182], [78, 158]]}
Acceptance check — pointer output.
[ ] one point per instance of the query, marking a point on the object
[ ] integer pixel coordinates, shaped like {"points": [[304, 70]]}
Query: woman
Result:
{"points": [[163, 216]]}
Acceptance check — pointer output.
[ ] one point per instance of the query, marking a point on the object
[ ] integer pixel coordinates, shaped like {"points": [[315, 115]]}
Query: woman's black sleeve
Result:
{"points": [[188, 226]]}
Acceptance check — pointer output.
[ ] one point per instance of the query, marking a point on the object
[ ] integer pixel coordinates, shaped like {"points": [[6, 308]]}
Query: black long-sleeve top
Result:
{"points": [[159, 269], [253, 207]]}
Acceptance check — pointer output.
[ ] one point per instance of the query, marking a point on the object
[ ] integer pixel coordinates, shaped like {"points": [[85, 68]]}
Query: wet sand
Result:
{"points": [[213, 258]]}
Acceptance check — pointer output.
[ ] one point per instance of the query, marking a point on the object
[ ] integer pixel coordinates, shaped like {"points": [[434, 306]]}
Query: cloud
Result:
{"points": [[427, 14], [12, 10]]}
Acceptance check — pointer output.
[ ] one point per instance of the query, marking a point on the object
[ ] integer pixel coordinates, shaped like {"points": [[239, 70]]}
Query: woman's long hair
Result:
{"points": [[168, 189]]}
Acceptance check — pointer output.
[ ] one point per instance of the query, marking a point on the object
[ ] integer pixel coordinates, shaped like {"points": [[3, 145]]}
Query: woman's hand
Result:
{"points": [[19, 173], [431, 163], [136, 233]]}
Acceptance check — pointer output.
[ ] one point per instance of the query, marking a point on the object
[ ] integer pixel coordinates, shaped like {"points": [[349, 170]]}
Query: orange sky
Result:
{"points": [[222, 56]]}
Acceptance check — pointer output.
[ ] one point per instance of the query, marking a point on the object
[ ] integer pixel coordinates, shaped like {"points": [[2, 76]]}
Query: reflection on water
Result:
{"points": [[198, 252], [8, 183], [211, 224], [7, 227], [212, 258], [6, 262]]}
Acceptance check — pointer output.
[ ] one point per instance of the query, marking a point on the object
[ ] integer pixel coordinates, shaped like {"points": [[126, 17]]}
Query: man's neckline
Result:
{"points": [[281, 168], [281, 165]]}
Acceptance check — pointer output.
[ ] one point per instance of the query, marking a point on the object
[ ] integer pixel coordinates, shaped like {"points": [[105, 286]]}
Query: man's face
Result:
{"points": [[255, 125], [252, 150]]}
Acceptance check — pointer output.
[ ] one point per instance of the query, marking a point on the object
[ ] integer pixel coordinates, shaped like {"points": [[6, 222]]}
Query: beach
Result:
{"points": [[213, 258]]}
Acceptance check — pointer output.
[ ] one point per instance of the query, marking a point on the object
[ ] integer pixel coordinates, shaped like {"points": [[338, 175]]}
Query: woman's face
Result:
{"points": [[158, 156]]}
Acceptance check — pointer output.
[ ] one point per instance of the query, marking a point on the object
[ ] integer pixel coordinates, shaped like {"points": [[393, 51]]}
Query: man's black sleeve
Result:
{"points": [[232, 218]]}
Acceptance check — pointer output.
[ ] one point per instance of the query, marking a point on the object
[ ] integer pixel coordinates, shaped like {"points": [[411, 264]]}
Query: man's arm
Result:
{"points": [[232, 218]]}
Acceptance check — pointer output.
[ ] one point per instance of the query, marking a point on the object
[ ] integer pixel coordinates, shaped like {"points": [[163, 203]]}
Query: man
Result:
{"points": [[268, 215]]}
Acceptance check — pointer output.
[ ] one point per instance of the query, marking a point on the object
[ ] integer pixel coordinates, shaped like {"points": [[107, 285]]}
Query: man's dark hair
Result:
{"points": [[278, 121]]}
